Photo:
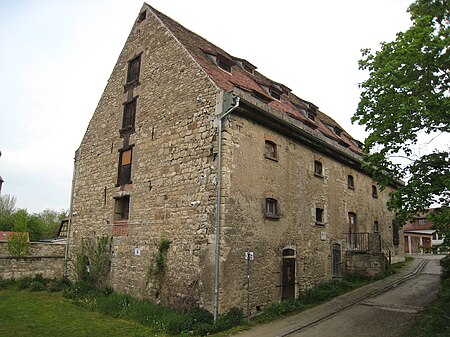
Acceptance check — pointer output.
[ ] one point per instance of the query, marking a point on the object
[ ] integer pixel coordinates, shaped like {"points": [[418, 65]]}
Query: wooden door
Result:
{"points": [[288, 275]]}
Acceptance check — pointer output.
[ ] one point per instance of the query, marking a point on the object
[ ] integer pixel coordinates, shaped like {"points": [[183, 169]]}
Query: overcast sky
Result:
{"points": [[56, 57]]}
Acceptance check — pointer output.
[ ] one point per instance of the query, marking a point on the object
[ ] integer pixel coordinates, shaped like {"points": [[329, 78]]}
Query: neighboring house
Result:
{"points": [[4, 236], [182, 124], [420, 237]]}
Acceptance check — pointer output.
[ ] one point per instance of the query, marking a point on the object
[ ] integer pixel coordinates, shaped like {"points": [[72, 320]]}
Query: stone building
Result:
{"points": [[182, 124]]}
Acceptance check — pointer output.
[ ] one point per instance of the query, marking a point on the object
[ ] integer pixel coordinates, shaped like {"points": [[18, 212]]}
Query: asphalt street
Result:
{"points": [[358, 313]]}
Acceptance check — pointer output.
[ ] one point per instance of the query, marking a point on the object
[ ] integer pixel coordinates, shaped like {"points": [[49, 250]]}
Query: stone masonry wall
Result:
{"points": [[289, 179], [43, 258], [365, 264], [173, 171]]}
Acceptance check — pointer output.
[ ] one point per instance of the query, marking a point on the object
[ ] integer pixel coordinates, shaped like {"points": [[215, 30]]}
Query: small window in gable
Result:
{"points": [[270, 150], [318, 168], [351, 182], [142, 16], [320, 219], [122, 208], [271, 210], [134, 67], [374, 191]]}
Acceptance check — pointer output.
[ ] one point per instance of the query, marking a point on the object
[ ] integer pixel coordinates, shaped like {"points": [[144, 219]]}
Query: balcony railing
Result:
{"points": [[368, 243]]}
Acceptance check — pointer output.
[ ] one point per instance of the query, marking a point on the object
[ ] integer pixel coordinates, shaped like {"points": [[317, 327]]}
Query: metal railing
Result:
{"points": [[367, 242]]}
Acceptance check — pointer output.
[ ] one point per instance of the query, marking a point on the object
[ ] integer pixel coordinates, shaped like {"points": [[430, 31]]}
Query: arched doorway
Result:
{"points": [[288, 274]]}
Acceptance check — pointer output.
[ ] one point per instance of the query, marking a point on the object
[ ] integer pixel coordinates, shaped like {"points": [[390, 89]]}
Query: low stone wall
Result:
{"points": [[363, 263], [43, 258]]}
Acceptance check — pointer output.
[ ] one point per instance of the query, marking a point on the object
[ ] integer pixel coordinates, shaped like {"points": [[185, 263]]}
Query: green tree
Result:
{"points": [[405, 100], [43, 225], [7, 205]]}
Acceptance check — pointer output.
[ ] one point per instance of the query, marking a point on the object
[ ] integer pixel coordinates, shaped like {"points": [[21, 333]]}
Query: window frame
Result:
{"points": [[374, 191], [131, 106], [273, 155], [124, 178], [319, 216], [376, 227], [133, 74], [351, 182], [273, 213], [122, 209], [318, 164]]}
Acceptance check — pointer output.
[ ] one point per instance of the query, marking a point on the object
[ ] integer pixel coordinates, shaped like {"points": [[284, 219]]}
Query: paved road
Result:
{"points": [[388, 314]]}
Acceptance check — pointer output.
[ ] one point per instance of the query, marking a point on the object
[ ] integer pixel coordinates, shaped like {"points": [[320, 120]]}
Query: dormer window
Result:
{"points": [[244, 64], [337, 131], [311, 115], [224, 63], [275, 93], [247, 68], [224, 66]]}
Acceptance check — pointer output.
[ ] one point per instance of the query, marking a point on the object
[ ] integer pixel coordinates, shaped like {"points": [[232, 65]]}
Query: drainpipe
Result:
{"points": [[69, 224], [219, 188]]}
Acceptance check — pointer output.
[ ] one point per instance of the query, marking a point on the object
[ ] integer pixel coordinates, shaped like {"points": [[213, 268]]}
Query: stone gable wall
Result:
{"points": [[173, 171]]}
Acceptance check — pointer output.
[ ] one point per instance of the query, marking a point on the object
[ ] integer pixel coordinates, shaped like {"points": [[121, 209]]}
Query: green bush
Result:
{"points": [[325, 291], [115, 305], [5, 284], [24, 282], [60, 284], [280, 309], [37, 286], [445, 264]]}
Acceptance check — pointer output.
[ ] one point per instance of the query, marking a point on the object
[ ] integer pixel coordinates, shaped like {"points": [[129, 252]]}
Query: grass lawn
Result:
{"points": [[25, 313]]}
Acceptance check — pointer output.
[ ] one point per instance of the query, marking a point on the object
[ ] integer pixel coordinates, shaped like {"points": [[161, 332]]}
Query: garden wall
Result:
{"points": [[43, 258], [363, 263]]}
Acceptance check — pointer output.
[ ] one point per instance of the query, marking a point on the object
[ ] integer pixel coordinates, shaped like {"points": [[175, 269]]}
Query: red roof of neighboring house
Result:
{"points": [[4, 236], [255, 83]]}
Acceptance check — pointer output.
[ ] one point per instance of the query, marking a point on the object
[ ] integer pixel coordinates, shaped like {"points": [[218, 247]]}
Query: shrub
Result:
{"points": [[24, 282], [324, 291], [58, 284], [18, 244], [36, 286], [93, 262], [115, 305], [4, 284], [232, 318], [445, 264]]}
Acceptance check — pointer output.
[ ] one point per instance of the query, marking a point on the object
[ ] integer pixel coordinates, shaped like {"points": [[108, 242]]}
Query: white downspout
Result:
{"points": [[219, 195]]}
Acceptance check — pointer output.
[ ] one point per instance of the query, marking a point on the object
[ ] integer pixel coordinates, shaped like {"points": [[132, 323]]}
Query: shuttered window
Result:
{"points": [[125, 167]]}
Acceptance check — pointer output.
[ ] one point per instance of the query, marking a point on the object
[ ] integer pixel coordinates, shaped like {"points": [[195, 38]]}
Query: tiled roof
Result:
{"points": [[255, 83]]}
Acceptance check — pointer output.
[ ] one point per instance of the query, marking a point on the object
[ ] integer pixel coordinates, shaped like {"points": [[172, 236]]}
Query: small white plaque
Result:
{"points": [[323, 236], [249, 256], [137, 251]]}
